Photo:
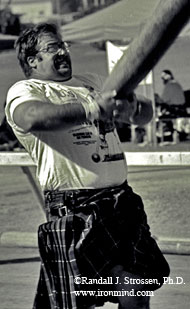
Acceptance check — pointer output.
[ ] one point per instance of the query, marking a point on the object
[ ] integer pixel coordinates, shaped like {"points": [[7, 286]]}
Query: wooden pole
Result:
{"points": [[145, 51]]}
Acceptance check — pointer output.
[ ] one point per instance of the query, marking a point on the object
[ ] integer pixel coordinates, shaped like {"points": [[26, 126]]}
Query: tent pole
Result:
{"points": [[154, 137]]}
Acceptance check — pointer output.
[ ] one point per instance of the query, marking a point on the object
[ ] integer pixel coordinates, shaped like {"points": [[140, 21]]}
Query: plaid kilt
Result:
{"points": [[106, 229]]}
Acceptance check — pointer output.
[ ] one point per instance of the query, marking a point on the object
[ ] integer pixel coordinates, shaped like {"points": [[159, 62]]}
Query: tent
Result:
{"points": [[124, 21], [120, 21]]}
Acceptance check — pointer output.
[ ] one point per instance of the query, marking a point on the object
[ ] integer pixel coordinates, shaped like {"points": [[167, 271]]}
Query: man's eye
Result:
{"points": [[52, 48]]}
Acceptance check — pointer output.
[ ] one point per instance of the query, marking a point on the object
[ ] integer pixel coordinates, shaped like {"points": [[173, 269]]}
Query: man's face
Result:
{"points": [[52, 61], [165, 77]]}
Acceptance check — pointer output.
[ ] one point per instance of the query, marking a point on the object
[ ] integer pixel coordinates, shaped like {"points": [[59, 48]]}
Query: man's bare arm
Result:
{"points": [[136, 110], [37, 115], [143, 114], [34, 116]]}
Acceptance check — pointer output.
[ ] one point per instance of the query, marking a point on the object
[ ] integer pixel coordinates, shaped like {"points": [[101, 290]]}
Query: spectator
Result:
{"points": [[170, 106], [173, 93]]}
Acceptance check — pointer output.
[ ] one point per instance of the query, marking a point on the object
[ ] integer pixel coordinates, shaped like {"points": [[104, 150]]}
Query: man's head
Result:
{"points": [[42, 53], [166, 76]]}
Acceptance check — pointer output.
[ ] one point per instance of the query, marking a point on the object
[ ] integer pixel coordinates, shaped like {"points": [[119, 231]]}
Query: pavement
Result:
{"points": [[19, 271], [168, 245], [20, 265], [19, 239]]}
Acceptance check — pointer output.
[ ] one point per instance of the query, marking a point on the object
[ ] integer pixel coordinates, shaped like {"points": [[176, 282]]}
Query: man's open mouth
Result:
{"points": [[61, 63]]}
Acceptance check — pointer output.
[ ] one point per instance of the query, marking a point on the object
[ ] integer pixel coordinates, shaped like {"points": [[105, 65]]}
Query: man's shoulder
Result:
{"points": [[91, 79], [173, 88], [24, 84], [24, 90]]}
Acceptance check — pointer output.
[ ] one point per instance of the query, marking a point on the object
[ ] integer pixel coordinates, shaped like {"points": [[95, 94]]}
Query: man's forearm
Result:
{"points": [[137, 113], [143, 114], [37, 115], [135, 109], [52, 116]]}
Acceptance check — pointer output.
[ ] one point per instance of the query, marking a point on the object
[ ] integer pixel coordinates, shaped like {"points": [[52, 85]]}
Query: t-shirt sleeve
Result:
{"points": [[20, 93], [96, 81]]}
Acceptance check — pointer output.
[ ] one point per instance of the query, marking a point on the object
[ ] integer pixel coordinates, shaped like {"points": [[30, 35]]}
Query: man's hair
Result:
{"points": [[27, 41], [168, 72]]}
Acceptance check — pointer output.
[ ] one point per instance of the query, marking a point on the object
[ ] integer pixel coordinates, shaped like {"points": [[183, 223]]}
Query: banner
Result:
{"points": [[114, 53]]}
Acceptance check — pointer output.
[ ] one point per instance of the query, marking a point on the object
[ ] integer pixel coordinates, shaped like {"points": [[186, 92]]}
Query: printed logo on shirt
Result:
{"points": [[96, 134], [55, 93]]}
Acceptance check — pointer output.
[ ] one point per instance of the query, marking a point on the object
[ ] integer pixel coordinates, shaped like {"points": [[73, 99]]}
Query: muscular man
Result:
{"points": [[96, 226]]}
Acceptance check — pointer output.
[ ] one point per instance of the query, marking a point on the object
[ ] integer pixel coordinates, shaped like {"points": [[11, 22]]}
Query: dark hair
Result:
{"points": [[169, 73], [26, 43]]}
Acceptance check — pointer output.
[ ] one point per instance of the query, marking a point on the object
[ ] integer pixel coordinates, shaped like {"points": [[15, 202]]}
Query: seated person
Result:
{"points": [[172, 95]]}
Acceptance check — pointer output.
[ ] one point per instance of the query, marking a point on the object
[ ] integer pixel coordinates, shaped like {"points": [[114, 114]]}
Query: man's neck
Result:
{"points": [[73, 81], [50, 79]]}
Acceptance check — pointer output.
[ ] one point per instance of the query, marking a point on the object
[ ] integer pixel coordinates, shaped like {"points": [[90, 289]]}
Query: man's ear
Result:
{"points": [[32, 61]]}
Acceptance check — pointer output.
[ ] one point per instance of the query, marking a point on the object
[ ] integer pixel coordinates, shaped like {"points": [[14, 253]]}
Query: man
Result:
{"points": [[173, 93], [172, 105], [96, 225]]}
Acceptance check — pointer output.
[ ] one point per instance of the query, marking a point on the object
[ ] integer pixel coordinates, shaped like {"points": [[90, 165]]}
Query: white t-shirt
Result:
{"points": [[86, 155]]}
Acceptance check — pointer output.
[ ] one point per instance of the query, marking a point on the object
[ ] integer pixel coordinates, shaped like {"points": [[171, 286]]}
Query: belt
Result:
{"points": [[61, 202], [60, 211]]}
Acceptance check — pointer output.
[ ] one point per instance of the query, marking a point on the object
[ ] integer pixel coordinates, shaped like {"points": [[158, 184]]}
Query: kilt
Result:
{"points": [[102, 228]]}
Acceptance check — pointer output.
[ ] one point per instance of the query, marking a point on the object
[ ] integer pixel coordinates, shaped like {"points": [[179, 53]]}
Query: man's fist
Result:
{"points": [[134, 110], [107, 104], [125, 109]]}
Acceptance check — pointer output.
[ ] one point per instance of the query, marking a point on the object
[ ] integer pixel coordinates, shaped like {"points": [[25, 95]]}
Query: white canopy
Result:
{"points": [[120, 21]]}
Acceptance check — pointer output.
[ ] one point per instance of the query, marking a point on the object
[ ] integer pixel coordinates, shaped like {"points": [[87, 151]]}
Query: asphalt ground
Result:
{"points": [[165, 192], [19, 270]]}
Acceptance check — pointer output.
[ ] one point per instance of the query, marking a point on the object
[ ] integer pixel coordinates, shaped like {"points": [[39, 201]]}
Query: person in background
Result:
{"points": [[96, 226], [172, 104], [173, 93]]}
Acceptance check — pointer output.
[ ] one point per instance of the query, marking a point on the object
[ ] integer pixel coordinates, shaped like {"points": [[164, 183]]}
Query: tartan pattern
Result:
{"points": [[56, 245], [66, 238], [107, 229]]}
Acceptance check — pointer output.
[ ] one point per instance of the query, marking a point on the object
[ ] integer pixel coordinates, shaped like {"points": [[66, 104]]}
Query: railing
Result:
{"points": [[133, 158]]}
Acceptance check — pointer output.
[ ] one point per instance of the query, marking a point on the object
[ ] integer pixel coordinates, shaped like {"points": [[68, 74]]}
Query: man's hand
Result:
{"points": [[125, 109], [107, 104], [133, 110], [122, 110]]}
